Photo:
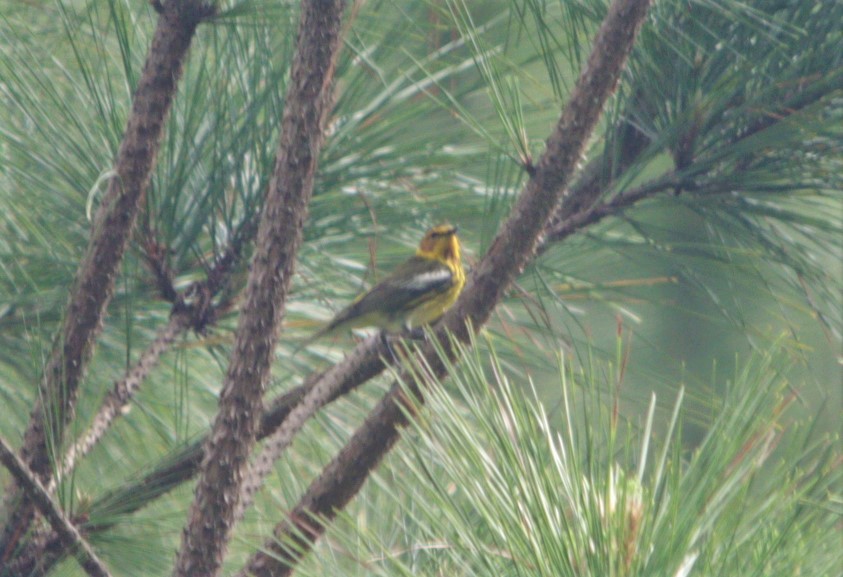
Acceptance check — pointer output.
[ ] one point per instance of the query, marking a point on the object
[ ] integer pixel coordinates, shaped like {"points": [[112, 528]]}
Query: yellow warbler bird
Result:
{"points": [[416, 293]]}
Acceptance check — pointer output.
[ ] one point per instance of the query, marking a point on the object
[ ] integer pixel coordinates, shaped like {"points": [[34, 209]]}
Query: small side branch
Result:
{"points": [[331, 384], [69, 535], [617, 204], [123, 391]]}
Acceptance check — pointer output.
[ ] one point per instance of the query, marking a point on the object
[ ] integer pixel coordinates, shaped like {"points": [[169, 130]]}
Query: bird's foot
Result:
{"points": [[386, 340]]}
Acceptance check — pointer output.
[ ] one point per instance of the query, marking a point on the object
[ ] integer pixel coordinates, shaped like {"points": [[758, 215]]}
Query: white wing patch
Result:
{"points": [[422, 281]]}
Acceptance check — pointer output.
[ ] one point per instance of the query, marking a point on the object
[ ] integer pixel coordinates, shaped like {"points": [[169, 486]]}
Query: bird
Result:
{"points": [[415, 294]]}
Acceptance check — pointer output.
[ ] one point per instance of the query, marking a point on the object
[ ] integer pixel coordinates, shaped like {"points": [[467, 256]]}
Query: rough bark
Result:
{"points": [[94, 285], [511, 250], [45, 550], [211, 518], [124, 390], [68, 535], [595, 179], [196, 314], [332, 383]]}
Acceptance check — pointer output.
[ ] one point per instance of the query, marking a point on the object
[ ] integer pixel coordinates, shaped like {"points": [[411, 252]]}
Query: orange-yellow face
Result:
{"points": [[441, 242]]}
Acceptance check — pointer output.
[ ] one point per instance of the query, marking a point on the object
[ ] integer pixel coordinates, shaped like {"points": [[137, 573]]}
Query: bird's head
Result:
{"points": [[441, 243]]}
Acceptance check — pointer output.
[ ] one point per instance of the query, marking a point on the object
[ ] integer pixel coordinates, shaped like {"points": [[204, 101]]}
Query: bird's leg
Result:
{"points": [[384, 336], [414, 333]]}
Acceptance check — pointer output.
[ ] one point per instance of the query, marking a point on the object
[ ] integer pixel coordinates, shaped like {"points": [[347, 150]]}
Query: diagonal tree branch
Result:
{"points": [[196, 315], [67, 533], [597, 177], [511, 250], [211, 518], [364, 363], [360, 366], [119, 396], [332, 383], [112, 227]]}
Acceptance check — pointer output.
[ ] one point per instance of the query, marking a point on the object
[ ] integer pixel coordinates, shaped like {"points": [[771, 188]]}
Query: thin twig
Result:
{"points": [[121, 394], [331, 384], [69, 535], [612, 207]]}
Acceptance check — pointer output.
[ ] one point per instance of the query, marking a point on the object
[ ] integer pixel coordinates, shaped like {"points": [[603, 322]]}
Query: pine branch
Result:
{"points": [[112, 228], [358, 367], [511, 250], [597, 177], [364, 363], [613, 207], [211, 519], [122, 393], [68, 534], [197, 315]]}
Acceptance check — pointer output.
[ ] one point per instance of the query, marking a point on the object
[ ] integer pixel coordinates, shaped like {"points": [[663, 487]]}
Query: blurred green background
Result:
{"points": [[439, 106]]}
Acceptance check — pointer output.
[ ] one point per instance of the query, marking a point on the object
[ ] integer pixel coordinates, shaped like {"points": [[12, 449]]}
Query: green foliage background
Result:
{"points": [[438, 104]]}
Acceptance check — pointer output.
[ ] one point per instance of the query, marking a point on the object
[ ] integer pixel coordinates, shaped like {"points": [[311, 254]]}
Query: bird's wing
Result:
{"points": [[414, 282], [409, 285]]}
